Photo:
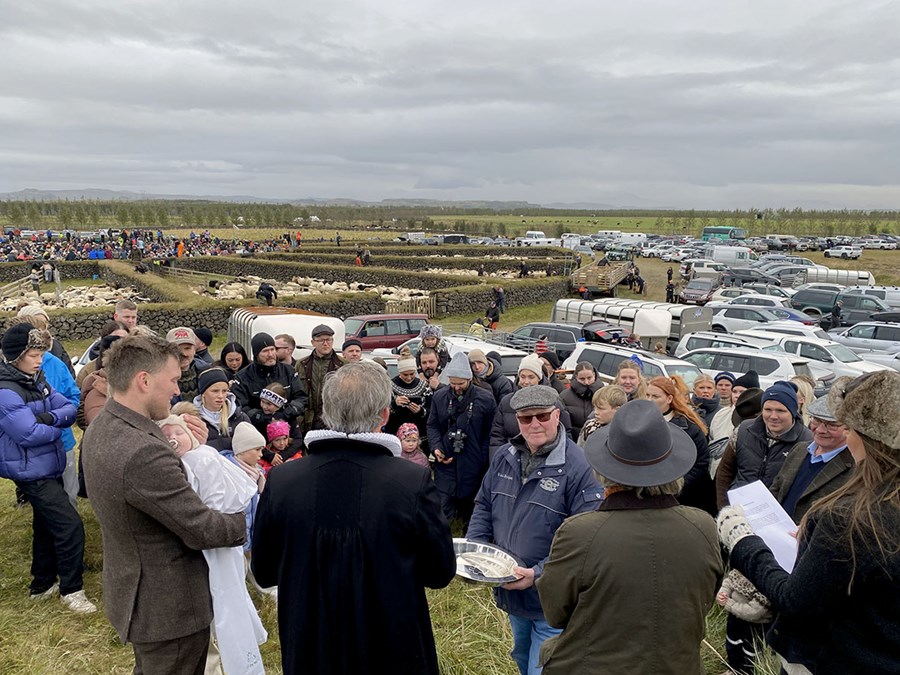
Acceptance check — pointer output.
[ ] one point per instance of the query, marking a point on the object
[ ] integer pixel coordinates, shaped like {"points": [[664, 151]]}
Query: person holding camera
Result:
{"points": [[459, 427], [533, 484], [409, 397]]}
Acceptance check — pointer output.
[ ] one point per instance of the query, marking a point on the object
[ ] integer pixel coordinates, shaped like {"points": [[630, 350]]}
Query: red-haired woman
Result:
{"points": [[670, 394]]}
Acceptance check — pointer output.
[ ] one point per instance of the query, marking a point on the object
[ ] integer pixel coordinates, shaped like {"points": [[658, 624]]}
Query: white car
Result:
{"points": [[845, 252], [759, 300], [771, 366], [729, 318], [882, 244], [606, 359], [869, 336], [727, 293], [701, 339], [832, 356], [785, 328]]}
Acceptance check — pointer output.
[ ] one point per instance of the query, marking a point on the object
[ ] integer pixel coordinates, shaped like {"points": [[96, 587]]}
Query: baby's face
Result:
{"points": [[178, 438]]}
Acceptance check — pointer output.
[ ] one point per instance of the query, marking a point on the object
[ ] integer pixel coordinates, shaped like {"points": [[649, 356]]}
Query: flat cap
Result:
{"points": [[322, 329], [537, 396]]}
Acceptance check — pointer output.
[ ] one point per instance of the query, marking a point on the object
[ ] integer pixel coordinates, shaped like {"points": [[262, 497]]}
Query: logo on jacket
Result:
{"points": [[549, 484]]}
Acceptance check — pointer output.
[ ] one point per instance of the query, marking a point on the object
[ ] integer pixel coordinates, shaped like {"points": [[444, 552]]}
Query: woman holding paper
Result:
{"points": [[839, 610]]}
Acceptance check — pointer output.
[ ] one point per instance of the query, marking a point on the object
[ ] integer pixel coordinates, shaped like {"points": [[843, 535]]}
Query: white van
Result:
{"points": [[738, 256]]}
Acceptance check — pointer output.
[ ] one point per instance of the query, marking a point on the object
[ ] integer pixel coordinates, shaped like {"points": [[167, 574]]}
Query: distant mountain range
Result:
{"points": [[99, 194]]}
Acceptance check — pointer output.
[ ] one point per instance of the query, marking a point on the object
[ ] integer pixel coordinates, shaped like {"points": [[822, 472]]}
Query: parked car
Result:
{"points": [[889, 294], [856, 307], [819, 286], [769, 289], [786, 328], [845, 252], [869, 336], [558, 337], [729, 292], [738, 276], [727, 318], [787, 273], [881, 244], [603, 331], [698, 291], [758, 300], [377, 331], [606, 359], [770, 365], [702, 339], [834, 357], [791, 314], [883, 359]]}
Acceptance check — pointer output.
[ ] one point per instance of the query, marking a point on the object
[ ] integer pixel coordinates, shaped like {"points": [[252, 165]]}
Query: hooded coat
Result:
{"points": [[352, 536], [216, 438], [577, 401], [30, 450], [499, 383]]}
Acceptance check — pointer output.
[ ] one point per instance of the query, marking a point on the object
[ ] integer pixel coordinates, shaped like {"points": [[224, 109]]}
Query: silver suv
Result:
{"points": [[869, 336]]}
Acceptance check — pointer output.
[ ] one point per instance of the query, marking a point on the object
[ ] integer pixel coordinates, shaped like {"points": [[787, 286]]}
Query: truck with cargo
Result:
{"points": [[599, 279]]}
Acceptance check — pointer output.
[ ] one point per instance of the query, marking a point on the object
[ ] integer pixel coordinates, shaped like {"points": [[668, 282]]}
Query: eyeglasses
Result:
{"points": [[541, 417], [323, 340], [831, 426]]}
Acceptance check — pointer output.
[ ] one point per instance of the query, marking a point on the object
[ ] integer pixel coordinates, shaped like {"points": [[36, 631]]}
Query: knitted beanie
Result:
{"points": [[204, 335], [724, 375], [259, 342], [209, 377], [748, 380], [532, 363], [784, 393], [245, 438], [459, 367], [477, 356], [33, 310], [406, 430], [277, 429]]}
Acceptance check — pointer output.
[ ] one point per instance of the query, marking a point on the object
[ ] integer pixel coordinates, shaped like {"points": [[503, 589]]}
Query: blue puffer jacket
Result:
{"points": [[522, 518], [30, 450]]}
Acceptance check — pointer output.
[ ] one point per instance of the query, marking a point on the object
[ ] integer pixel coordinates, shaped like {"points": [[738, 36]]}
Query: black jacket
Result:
{"points": [[577, 400], [756, 459], [254, 378], [352, 536], [819, 623], [699, 490], [499, 383]]}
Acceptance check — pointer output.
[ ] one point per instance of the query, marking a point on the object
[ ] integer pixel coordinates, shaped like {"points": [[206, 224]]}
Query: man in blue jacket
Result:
{"points": [[534, 482]]}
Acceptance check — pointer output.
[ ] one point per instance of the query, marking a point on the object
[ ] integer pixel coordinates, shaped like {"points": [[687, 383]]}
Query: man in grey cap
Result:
{"points": [[534, 482], [459, 429], [186, 340], [312, 371]]}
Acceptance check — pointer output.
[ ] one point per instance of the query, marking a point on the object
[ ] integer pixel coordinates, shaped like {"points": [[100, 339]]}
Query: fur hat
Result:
{"points": [[870, 405], [245, 438], [178, 421], [22, 337], [277, 429], [459, 367], [532, 363]]}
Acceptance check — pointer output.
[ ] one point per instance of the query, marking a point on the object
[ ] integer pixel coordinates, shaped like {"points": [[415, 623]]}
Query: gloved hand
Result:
{"points": [[740, 598], [45, 418], [732, 526]]}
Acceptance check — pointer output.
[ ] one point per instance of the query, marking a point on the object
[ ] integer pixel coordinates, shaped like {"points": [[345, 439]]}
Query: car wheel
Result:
{"points": [[812, 311], [844, 256], [719, 329], [827, 255]]}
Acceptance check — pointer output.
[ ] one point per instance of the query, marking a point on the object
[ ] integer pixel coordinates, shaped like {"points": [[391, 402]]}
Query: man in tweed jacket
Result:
{"points": [[155, 579]]}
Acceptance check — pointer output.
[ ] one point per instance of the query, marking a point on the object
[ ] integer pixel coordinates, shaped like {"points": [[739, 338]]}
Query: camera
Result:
{"points": [[457, 440]]}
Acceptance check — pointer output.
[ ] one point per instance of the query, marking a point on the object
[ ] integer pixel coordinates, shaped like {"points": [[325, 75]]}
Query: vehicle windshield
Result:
{"points": [[700, 284], [844, 354], [352, 326]]}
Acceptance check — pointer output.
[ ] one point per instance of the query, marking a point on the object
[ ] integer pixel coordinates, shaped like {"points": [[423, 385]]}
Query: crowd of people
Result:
{"points": [[136, 244], [332, 488]]}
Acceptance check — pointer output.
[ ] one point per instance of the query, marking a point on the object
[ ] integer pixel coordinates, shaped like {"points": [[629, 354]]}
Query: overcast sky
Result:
{"points": [[640, 103]]}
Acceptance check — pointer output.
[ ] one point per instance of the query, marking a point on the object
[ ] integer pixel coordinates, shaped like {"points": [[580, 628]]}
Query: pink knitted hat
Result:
{"points": [[406, 430], [277, 429]]}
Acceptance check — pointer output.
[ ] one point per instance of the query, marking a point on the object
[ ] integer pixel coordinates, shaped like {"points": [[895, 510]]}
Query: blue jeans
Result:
{"points": [[528, 636]]}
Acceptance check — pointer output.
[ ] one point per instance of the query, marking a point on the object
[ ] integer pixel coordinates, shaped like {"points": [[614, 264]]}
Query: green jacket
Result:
{"points": [[630, 584]]}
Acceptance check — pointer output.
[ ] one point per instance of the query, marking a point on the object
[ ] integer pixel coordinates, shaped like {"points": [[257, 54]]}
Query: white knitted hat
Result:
{"points": [[246, 437]]}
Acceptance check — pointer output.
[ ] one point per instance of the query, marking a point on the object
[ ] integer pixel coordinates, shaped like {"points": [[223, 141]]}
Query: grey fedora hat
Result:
{"points": [[639, 448]]}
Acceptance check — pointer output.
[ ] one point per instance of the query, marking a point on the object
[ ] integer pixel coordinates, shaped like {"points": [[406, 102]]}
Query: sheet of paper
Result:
{"points": [[768, 520]]}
